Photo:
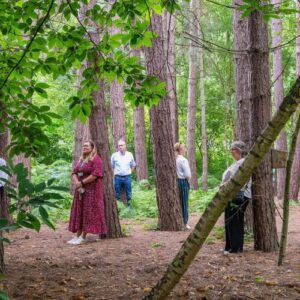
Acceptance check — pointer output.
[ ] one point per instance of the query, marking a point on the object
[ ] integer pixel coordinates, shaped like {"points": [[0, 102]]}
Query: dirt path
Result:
{"points": [[43, 266]]}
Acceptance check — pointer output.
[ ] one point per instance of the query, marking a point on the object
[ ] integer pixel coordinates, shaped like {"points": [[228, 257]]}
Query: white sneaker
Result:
{"points": [[187, 226], [71, 241], [79, 241]]}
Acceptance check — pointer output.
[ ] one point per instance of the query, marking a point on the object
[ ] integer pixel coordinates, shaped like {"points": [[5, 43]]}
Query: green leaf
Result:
{"points": [[43, 212], [3, 295]]}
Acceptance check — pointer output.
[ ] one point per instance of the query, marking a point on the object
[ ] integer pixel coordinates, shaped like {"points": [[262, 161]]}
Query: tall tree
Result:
{"points": [[192, 94], [265, 235], [117, 105], [169, 22], [203, 116], [140, 136], [281, 143], [3, 198], [139, 143], [242, 86], [81, 134], [170, 217], [99, 134], [295, 173]]}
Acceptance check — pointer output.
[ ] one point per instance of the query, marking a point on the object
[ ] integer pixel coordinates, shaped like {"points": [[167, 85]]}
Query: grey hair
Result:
{"points": [[240, 146], [121, 141]]}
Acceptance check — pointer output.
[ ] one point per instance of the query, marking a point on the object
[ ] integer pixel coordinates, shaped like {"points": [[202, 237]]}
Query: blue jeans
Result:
{"points": [[123, 182]]}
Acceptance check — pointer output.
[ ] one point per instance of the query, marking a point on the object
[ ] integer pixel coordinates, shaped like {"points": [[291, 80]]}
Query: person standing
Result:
{"points": [[183, 176], [3, 175], [234, 212], [88, 210], [123, 165]]}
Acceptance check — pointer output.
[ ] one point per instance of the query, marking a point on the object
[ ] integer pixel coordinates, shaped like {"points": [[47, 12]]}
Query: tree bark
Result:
{"points": [[196, 239], [99, 134], [169, 43], [242, 86], [192, 96], [3, 198], [286, 202], [139, 144], [82, 134], [170, 217], [265, 235], [203, 119], [281, 143], [140, 137], [295, 175]]}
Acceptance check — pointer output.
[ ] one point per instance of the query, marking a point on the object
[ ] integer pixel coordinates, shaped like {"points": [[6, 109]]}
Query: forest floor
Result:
{"points": [[44, 266]]}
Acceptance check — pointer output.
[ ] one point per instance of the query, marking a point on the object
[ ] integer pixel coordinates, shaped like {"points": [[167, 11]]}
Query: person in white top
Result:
{"points": [[3, 175], [123, 165], [234, 212], [183, 176]]}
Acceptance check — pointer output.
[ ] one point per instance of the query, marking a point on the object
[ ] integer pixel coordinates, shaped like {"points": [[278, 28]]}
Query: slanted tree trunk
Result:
{"points": [[196, 239], [281, 143], [170, 216], [286, 202], [265, 235], [192, 95], [169, 22], [242, 85], [99, 134], [295, 174]]}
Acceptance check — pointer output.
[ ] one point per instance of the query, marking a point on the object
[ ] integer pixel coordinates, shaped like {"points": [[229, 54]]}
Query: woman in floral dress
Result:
{"points": [[88, 210]]}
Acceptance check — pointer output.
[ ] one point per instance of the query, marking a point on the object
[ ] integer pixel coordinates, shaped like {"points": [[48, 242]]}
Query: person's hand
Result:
{"points": [[78, 185]]}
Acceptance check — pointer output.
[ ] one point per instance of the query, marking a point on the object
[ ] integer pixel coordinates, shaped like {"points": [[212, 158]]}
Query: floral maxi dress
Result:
{"points": [[88, 210]]}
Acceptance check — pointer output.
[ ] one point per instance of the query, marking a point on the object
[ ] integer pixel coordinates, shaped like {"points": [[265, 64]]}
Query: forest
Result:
{"points": [[196, 80]]}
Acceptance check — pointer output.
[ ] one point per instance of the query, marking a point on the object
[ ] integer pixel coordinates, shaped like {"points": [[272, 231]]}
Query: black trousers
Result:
{"points": [[234, 225]]}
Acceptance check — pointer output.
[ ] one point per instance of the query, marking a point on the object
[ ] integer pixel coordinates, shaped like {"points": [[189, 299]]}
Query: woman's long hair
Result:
{"points": [[92, 154]]}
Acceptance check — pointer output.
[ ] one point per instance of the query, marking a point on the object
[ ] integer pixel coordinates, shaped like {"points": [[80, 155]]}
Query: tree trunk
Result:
{"points": [[265, 235], [169, 43], [99, 134], [139, 144], [203, 120], [286, 202], [117, 108], [82, 134], [295, 175], [170, 217], [281, 143], [140, 137], [192, 96], [196, 239], [3, 198], [242, 86]]}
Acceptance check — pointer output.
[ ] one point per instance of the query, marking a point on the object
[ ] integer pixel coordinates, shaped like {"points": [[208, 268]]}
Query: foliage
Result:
{"points": [[29, 201], [52, 38]]}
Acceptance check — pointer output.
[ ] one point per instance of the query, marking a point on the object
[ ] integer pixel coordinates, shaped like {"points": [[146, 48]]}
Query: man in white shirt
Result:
{"points": [[123, 165]]}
